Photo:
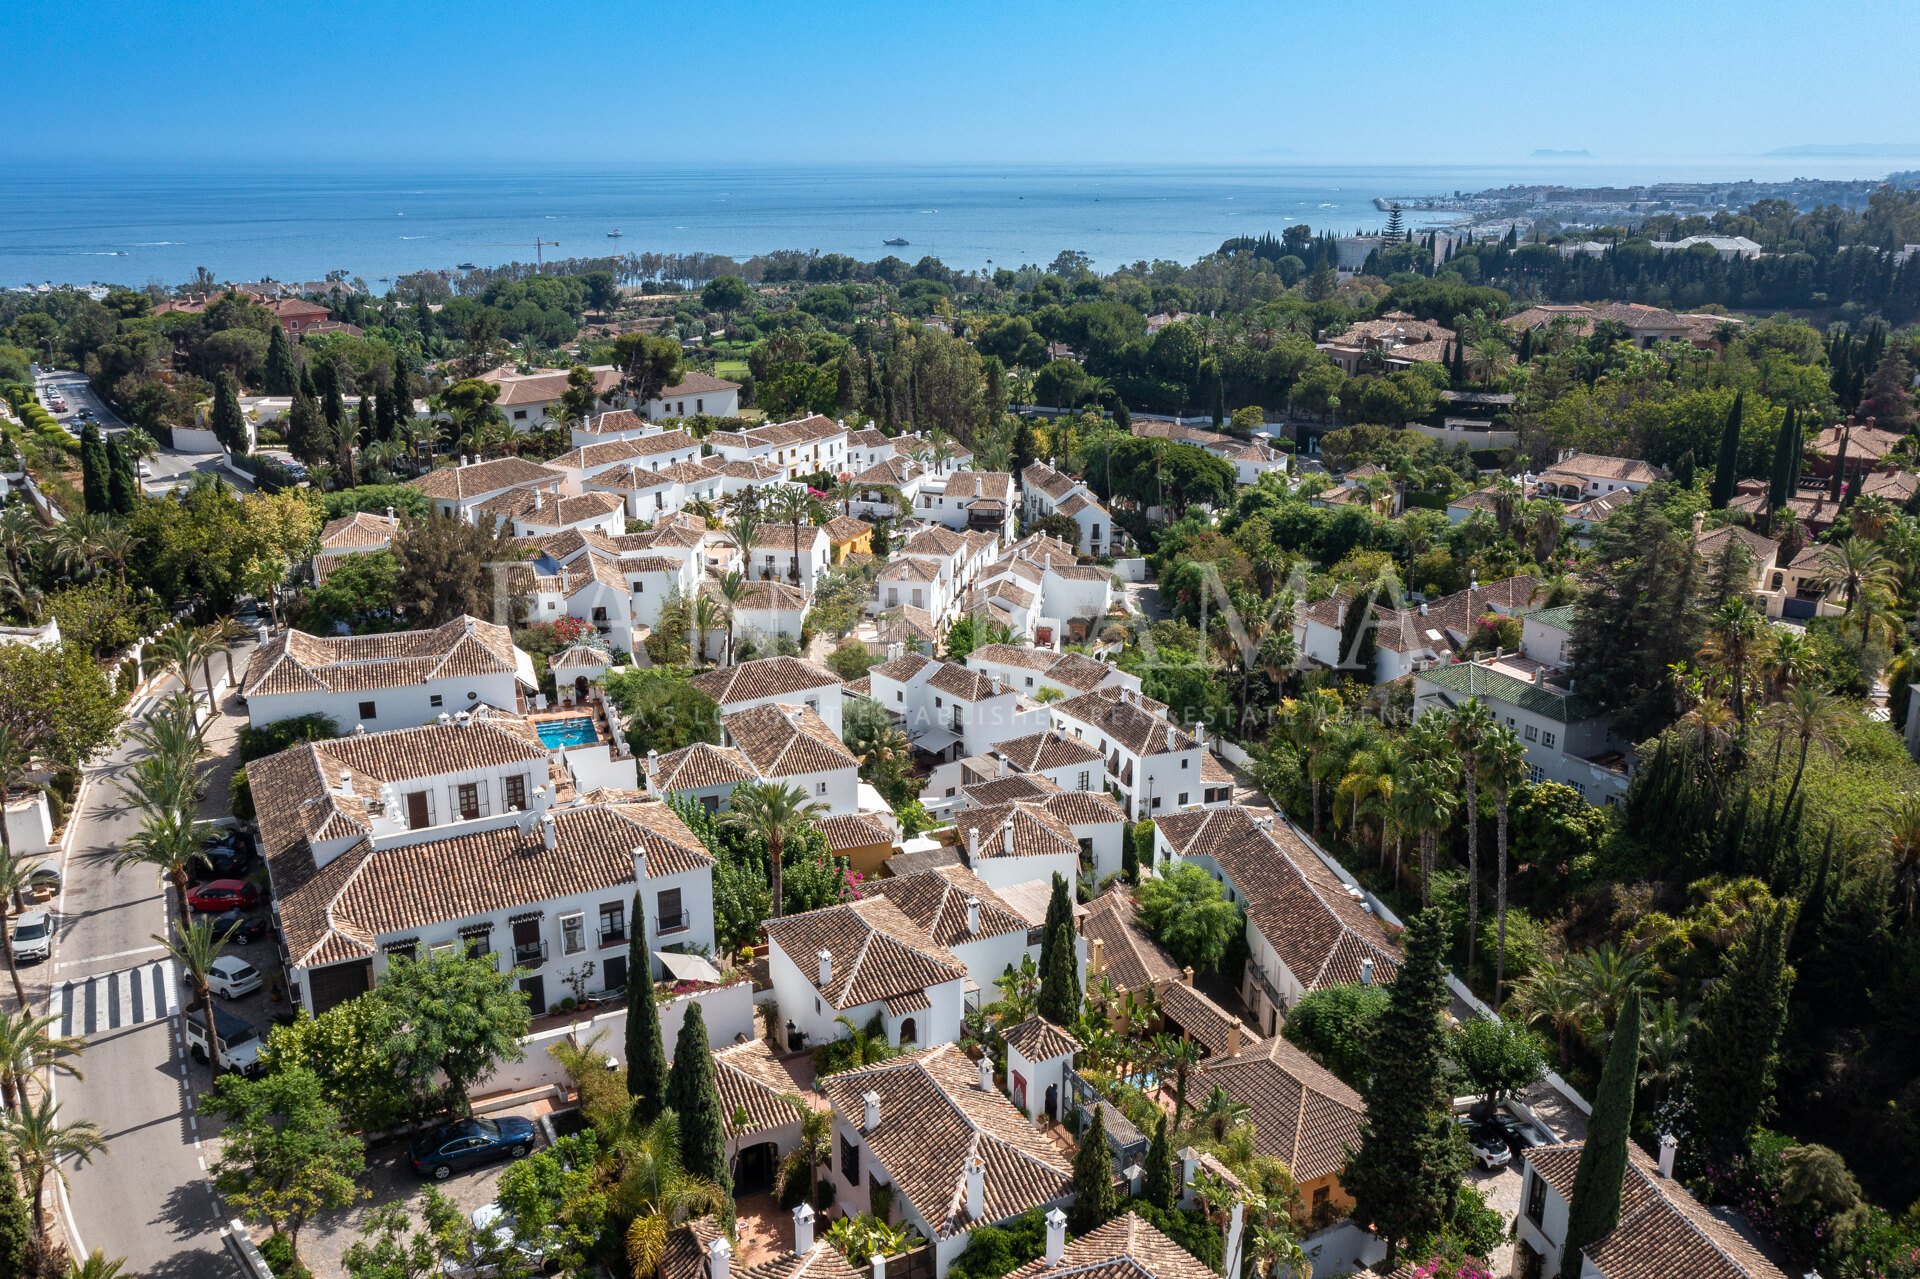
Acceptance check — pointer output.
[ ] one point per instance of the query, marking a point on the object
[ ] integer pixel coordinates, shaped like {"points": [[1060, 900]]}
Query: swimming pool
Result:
{"points": [[567, 732]]}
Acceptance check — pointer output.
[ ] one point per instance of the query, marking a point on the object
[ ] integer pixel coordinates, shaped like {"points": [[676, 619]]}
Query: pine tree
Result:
{"points": [[280, 375], [646, 1050], [229, 423], [1786, 453], [306, 434], [693, 1094], [1458, 367], [93, 470], [1395, 223], [1735, 1043], [1887, 396], [1059, 999], [1406, 1174], [1726, 469], [1161, 1186], [1095, 1201], [363, 422], [123, 482], [1595, 1207]]}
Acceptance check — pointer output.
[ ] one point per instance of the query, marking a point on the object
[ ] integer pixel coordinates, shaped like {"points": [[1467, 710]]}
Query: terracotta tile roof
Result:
{"points": [[1005, 790], [1865, 443], [903, 668], [1036, 832], [336, 911], [1302, 1114], [871, 438], [1711, 544], [778, 740], [1139, 730], [700, 766], [1600, 466], [1317, 929], [545, 385], [911, 569], [936, 541], [1084, 807], [970, 686], [752, 1081], [1047, 480], [768, 596], [1133, 960], [766, 677], [980, 485], [1037, 1039], [544, 508], [457, 483], [295, 662], [779, 537], [842, 529], [907, 623], [936, 900], [878, 952], [1206, 1023], [934, 1118], [1663, 1231], [297, 792], [890, 472], [852, 830], [1051, 749], [612, 452], [1124, 1248], [685, 1253], [694, 382], [823, 1262], [614, 420], [1033, 659], [1213, 772], [358, 530]]}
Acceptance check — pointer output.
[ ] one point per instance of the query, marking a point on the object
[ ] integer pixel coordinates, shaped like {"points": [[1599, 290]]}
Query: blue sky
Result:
{"points": [[674, 81]]}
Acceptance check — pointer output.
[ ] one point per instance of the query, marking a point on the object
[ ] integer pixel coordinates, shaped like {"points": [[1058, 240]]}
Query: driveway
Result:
{"points": [[1502, 1187]]}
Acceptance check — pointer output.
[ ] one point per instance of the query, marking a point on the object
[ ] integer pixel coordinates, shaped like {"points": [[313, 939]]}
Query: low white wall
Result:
{"points": [[29, 824], [1130, 570], [196, 439], [1340, 1249], [728, 1011]]}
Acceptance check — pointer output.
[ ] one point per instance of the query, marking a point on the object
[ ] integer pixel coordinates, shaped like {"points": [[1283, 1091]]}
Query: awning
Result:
{"points": [[685, 967]]}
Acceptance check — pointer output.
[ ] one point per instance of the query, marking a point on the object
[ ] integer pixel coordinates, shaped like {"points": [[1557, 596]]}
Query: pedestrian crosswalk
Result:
{"points": [[117, 1000]]}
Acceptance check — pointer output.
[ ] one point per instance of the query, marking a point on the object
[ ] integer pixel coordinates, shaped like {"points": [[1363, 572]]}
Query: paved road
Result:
{"points": [[170, 467], [147, 1198]]}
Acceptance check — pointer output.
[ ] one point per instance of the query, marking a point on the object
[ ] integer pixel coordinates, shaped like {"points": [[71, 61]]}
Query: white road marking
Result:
{"points": [[101, 959], [107, 1001]]}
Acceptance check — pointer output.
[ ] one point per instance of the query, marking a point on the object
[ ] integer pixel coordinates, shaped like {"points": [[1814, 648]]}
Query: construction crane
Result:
{"points": [[538, 245]]}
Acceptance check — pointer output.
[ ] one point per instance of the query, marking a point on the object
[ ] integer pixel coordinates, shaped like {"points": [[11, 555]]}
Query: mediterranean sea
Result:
{"points": [[140, 224]]}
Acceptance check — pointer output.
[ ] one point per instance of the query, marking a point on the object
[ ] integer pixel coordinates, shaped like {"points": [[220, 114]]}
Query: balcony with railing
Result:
{"points": [[529, 954], [678, 921], [613, 936]]}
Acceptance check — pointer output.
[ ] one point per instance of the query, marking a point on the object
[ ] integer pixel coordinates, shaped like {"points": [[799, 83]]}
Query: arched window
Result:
{"points": [[909, 1033]]}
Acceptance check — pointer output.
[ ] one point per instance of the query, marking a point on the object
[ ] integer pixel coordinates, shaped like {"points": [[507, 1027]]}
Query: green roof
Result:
{"points": [[1471, 679], [1560, 616]]}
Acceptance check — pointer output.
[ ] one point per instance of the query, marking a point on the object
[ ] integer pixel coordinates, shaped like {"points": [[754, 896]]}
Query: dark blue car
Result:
{"points": [[467, 1143]]}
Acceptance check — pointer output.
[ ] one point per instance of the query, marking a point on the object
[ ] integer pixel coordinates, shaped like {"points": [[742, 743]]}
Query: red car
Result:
{"points": [[223, 894]]}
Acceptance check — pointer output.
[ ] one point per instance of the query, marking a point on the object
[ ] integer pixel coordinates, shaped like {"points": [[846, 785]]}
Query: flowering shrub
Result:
{"points": [[1442, 1268]]}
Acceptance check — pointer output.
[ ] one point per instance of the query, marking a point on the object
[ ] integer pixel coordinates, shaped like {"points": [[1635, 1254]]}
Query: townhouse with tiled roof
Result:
{"points": [[1663, 1231], [614, 424], [700, 1249], [949, 711], [354, 534], [656, 492], [802, 447], [1045, 491], [1302, 1115], [1152, 763], [535, 513], [1032, 669], [985, 501], [1017, 842], [888, 488], [793, 680], [956, 1152], [961, 912], [1578, 476], [696, 394], [1124, 1248], [1306, 929], [456, 490], [703, 772], [859, 960], [650, 452], [1412, 637], [790, 743], [1567, 736], [1119, 951], [1251, 458], [397, 679], [761, 1107], [527, 399], [765, 616], [550, 886]]}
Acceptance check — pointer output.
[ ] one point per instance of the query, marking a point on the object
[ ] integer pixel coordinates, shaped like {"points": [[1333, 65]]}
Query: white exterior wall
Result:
{"points": [[799, 1002], [408, 707], [1545, 643], [995, 720], [1071, 597], [1051, 1072], [767, 625], [1004, 872], [837, 790], [988, 958], [1109, 840], [1562, 761], [613, 524], [1549, 1236], [826, 701], [723, 403], [29, 825]]}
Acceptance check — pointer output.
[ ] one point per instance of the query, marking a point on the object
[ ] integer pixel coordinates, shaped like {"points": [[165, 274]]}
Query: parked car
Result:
{"points": [[238, 1046], [228, 837], [32, 936], [494, 1250], [468, 1143], [230, 977], [224, 862], [223, 894], [1489, 1144], [245, 928]]}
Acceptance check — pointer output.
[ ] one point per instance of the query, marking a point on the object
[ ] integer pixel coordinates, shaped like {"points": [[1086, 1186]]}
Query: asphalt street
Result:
{"points": [[169, 468], [147, 1198]]}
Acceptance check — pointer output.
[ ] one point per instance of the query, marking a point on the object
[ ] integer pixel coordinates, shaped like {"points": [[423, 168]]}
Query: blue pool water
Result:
{"points": [[567, 732]]}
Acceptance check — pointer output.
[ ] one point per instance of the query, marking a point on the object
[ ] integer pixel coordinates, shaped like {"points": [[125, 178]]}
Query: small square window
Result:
{"points": [[434, 700], [366, 710], [821, 788], [1546, 739], [1533, 734]]}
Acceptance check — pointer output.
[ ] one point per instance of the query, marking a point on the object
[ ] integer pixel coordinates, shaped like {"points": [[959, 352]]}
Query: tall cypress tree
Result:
{"points": [[1595, 1207], [646, 1050], [1161, 1185], [693, 1094], [333, 405], [123, 481], [1406, 1175], [1059, 999], [1786, 457], [229, 424], [279, 376], [388, 401], [1726, 469], [93, 470], [1095, 1201], [1735, 1043]]}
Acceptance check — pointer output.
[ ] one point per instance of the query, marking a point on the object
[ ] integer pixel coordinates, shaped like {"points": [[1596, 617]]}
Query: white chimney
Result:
{"points": [[826, 968], [986, 1074], [1366, 972], [1668, 1145], [639, 865], [871, 1118], [1169, 737], [1006, 836], [548, 834], [389, 512], [879, 1265], [346, 782], [1056, 1235], [1233, 1037], [719, 1258], [973, 846], [976, 1188], [653, 763], [973, 923], [803, 1229]]}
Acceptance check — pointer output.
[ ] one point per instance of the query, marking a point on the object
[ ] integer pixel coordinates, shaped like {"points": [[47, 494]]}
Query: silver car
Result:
{"points": [[32, 936]]}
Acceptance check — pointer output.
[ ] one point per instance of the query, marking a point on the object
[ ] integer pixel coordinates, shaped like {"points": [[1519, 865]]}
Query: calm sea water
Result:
{"points": [[133, 225]]}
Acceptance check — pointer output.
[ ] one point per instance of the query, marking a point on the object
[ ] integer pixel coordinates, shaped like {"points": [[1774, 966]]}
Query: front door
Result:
{"points": [[755, 1172], [417, 810], [615, 968], [535, 989]]}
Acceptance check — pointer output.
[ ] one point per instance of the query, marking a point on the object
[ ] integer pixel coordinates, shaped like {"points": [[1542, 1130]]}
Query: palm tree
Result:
{"points": [[15, 877], [863, 1046], [1606, 976], [1812, 717], [169, 843], [1503, 759], [1788, 658], [1307, 719], [42, 1144], [195, 946], [709, 616], [779, 813], [26, 1046], [1903, 846], [1220, 1114], [1857, 566], [1663, 1046], [809, 1155], [181, 649], [165, 779], [1468, 727], [1736, 629], [115, 546], [732, 586], [21, 537], [1182, 1056], [792, 504], [97, 1266], [656, 1191], [1552, 996]]}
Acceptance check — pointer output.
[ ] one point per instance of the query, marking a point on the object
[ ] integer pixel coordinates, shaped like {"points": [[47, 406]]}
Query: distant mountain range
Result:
{"points": [[1855, 150]]}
